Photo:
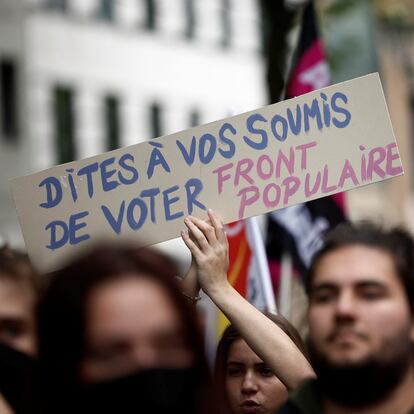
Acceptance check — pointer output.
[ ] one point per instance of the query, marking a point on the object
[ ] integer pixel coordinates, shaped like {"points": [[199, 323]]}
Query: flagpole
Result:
{"points": [[253, 228], [285, 290]]}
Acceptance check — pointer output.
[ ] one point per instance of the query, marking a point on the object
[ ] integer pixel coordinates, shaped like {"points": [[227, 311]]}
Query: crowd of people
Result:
{"points": [[113, 331]]}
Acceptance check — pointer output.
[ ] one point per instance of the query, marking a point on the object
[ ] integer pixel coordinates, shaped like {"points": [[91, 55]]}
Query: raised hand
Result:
{"points": [[208, 244]]}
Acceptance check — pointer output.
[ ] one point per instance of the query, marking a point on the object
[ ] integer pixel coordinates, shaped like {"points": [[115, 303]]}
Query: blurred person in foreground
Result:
{"points": [[117, 336], [18, 296], [285, 366], [246, 382], [361, 323], [18, 342]]}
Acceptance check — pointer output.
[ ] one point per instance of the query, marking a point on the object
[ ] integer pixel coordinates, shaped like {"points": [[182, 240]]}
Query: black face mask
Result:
{"points": [[17, 379], [152, 391]]}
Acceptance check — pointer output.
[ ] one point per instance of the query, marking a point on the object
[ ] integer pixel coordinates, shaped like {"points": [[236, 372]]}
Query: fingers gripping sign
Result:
{"points": [[208, 244]]}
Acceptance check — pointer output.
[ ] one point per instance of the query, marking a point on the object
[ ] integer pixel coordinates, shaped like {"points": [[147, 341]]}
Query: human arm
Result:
{"points": [[189, 285], [208, 245]]}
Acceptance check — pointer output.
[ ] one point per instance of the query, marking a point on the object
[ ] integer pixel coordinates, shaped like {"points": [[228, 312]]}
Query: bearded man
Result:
{"points": [[361, 325]]}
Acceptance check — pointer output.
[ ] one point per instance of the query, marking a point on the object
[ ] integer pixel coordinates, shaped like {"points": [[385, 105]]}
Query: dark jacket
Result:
{"points": [[306, 399]]}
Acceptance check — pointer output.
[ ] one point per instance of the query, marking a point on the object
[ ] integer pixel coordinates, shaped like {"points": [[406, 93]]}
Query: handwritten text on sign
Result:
{"points": [[327, 141]]}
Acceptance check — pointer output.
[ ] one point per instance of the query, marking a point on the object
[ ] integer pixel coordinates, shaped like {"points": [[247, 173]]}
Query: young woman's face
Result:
{"points": [[132, 324], [251, 386]]}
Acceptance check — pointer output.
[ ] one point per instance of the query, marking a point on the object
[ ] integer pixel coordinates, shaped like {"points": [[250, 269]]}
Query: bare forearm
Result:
{"points": [[268, 341], [189, 283], [209, 247]]}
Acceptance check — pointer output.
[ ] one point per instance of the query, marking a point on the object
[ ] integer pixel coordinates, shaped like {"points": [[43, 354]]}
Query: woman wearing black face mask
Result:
{"points": [[17, 381], [18, 293], [116, 336]]}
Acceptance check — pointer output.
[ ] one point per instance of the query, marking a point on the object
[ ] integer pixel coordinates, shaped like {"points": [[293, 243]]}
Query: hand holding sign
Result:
{"points": [[209, 248]]}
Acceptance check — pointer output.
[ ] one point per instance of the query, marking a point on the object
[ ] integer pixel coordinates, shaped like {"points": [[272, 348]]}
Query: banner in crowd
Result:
{"points": [[240, 256], [327, 141], [299, 230], [248, 270]]}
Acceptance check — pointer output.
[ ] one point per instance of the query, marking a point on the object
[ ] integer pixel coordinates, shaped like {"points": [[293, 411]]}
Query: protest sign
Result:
{"points": [[330, 140]]}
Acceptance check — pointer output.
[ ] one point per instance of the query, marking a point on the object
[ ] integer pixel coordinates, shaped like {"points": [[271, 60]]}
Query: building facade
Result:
{"points": [[81, 77]]}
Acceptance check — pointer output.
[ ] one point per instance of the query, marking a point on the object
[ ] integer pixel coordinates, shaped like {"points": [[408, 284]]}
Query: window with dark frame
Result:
{"points": [[226, 28], [106, 10], [60, 5], [150, 15], [64, 119], [112, 122], [156, 120], [195, 118], [190, 19], [9, 97]]}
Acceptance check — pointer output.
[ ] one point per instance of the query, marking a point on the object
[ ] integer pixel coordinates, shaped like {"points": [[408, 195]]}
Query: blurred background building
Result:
{"points": [[80, 77], [390, 24], [396, 47]]}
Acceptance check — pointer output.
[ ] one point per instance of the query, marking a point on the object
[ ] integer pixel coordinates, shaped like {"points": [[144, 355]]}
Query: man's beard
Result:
{"points": [[368, 381]]}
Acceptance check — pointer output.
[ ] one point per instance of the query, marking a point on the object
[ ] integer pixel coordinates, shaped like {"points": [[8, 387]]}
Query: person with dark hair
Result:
{"points": [[18, 295], [117, 336], [361, 320], [361, 324], [18, 342], [244, 380]]}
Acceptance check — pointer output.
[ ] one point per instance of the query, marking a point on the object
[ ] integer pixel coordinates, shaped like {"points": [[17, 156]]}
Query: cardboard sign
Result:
{"points": [[327, 141]]}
